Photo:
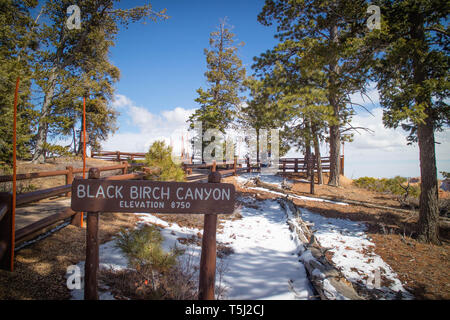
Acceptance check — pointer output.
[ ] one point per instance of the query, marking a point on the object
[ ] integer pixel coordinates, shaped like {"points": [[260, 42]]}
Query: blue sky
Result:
{"points": [[163, 64]]}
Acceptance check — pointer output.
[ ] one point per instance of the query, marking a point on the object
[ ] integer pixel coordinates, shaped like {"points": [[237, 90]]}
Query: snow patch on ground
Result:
{"points": [[294, 196], [353, 253], [275, 180], [264, 263]]}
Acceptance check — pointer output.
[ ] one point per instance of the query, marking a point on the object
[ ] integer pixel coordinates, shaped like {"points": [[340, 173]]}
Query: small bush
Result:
{"points": [[156, 274], [160, 156], [143, 249], [395, 185]]}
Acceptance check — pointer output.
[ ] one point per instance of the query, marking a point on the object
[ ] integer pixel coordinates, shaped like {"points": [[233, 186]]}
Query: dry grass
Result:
{"points": [[41, 267], [53, 165]]}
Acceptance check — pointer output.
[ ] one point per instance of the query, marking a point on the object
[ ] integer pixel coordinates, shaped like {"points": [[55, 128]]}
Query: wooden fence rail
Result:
{"points": [[6, 224], [24, 233], [69, 171], [117, 155]]}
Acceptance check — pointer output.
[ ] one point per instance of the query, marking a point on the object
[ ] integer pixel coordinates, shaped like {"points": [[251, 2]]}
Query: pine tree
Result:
{"points": [[16, 48], [309, 115], [320, 36], [225, 76], [260, 112], [79, 53], [159, 157], [412, 75]]}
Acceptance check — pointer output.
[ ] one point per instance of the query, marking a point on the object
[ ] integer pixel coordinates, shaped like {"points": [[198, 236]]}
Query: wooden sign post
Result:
{"points": [[94, 196], [92, 249], [207, 281]]}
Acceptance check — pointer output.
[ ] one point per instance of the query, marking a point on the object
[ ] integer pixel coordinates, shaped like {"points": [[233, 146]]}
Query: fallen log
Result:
{"points": [[327, 280]]}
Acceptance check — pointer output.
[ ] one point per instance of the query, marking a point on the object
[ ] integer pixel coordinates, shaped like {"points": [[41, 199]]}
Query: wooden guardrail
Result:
{"points": [[24, 233], [6, 224], [117, 155], [295, 165], [299, 165]]}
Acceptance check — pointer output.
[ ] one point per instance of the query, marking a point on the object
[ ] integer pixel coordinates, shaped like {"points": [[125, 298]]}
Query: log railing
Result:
{"points": [[117, 155], [24, 233], [6, 224], [285, 165]]}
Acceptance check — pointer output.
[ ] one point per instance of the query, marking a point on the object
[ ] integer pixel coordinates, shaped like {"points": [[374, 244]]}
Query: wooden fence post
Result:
{"points": [[125, 167], [284, 165], [342, 164], [235, 166], [118, 155], [69, 178], [207, 281], [296, 165], [6, 230], [92, 249], [248, 165]]}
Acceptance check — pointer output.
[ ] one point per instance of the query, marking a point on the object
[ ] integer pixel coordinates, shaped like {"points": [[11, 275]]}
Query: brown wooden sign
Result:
{"points": [[152, 197]]}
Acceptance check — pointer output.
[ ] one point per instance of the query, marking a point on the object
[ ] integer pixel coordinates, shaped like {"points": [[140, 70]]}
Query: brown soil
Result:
{"points": [[346, 190], [40, 268]]}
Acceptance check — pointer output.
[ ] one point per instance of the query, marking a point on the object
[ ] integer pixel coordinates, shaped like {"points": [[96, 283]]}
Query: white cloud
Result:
{"points": [[380, 138], [168, 125], [120, 101], [369, 100], [385, 153]]}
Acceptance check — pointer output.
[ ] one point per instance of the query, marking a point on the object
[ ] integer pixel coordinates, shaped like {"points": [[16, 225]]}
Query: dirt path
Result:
{"points": [[34, 212]]}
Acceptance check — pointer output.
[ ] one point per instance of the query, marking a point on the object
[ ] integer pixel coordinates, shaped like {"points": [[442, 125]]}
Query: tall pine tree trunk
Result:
{"points": [[335, 133], [318, 156], [428, 230], [39, 153], [428, 227], [335, 165], [308, 148], [257, 146]]}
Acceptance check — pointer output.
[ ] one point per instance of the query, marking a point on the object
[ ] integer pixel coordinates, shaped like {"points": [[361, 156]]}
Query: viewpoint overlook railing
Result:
{"points": [[286, 165], [7, 223]]}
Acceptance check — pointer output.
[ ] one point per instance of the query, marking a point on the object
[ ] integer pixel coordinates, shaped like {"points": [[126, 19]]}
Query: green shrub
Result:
{"points": [[160, 157], [156, 274], [143, 249], [394, 185]]}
